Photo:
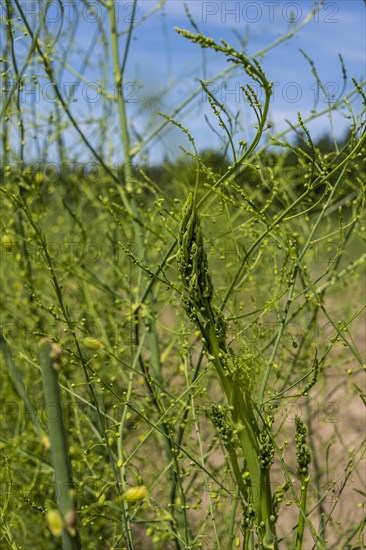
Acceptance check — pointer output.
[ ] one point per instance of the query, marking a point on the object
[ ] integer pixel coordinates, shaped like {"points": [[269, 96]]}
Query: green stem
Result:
{"points": [[243, 416], [238, 477], [57, 435], [130, 203], [232, 519], [197, 301], [302, 511]]}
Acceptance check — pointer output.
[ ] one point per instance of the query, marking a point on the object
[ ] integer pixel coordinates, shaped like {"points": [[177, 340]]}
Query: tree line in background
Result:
{"points": [[289, 162]]}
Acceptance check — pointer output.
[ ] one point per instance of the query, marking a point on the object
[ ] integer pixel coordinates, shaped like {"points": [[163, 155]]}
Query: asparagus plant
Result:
{"points": [[49, 355], [244, 425]]}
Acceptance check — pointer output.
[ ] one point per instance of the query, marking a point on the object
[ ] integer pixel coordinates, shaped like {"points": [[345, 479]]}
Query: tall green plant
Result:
{"points": [[270, 236], [65, 492], [237, 379]]}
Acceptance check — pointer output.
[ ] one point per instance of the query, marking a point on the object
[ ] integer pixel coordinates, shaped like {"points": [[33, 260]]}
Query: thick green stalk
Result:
{"points": [[302, 511], [197, 302], [60, 458]]}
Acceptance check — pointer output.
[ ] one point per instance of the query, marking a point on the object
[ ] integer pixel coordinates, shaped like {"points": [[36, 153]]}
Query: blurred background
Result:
{"points": [[310, 71]]}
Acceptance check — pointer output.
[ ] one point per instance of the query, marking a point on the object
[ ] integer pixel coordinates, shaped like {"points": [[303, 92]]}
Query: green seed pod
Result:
{"points": [[135, 494], [55, 522], [7, 242], [92, 343]]}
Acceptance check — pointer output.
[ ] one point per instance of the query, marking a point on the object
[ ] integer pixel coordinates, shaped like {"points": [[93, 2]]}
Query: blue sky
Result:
{"points": [[163, 68], [160, 56]]}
